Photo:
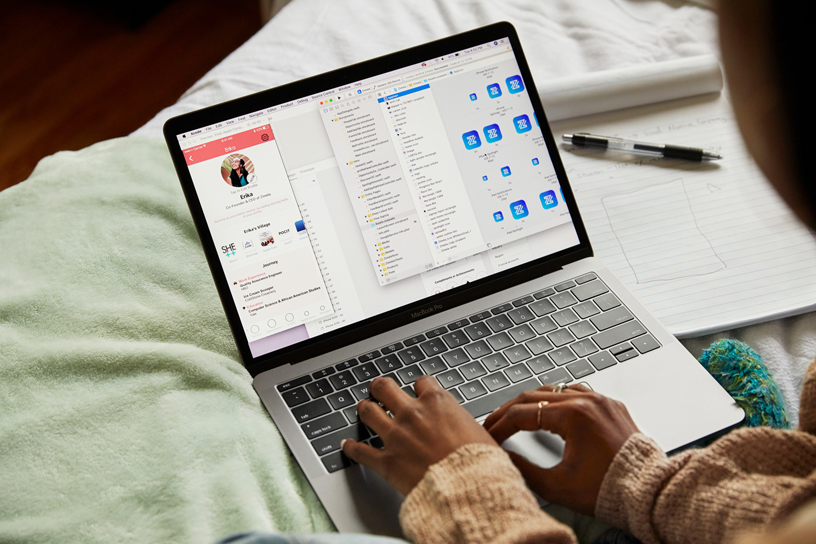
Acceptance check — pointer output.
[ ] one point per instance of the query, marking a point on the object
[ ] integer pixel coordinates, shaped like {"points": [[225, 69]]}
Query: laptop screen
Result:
{"points": [[343, 205]]}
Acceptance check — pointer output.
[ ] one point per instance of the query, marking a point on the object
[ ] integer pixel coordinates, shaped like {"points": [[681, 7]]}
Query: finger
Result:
{"points": [[387, 391], [519, 417], [547, 483], [374, 416], [363, 454], [527, 397], [426, 383]]}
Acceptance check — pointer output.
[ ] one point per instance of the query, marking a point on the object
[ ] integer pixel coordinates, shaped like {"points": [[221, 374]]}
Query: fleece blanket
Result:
{"points": [[125, 415]]}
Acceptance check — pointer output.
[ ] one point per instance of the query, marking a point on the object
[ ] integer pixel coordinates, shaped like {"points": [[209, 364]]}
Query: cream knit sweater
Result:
{"points": [[747, 481]]}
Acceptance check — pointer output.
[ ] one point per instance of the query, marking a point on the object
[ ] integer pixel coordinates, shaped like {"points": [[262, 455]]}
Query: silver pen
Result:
{"points": [[631, 146]]}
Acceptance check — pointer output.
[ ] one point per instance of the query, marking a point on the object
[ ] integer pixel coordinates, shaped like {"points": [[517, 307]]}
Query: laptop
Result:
{"points": [[410, 215]]}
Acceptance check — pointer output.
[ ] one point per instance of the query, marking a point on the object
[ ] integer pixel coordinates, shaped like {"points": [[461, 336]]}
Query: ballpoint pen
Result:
{"points": [[631, 146]]}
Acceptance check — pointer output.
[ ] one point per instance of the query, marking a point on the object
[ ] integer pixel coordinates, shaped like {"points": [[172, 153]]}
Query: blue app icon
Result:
{"points": [[299, 226], [536, 118], [492, 133], [522, 123], [471, 139], [493, 90], [484, 178], [514, 84], [535, 162], [548, 199], [473, 96], [519, 209], [498, 217], [506, 171]]}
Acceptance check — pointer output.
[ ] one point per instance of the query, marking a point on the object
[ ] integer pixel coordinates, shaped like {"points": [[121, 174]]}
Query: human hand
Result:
{"points": [[423, 431], [594, 428]]}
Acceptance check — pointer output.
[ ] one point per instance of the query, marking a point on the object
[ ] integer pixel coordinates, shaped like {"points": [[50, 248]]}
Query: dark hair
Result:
{"points": [[235, 178], [792, 34]]}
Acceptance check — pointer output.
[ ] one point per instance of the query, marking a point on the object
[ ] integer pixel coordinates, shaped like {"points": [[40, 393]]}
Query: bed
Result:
{"points": [[125, 414]]}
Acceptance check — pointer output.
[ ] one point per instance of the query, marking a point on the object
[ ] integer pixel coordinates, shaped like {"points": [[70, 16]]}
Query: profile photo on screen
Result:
{"points": [[238, 170]]}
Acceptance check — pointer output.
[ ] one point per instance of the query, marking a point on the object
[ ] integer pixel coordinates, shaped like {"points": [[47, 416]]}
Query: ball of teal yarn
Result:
{"points": [[741, 372]]}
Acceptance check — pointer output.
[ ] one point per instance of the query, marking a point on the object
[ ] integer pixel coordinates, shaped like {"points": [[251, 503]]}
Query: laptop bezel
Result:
{"points": [[397, 317]]}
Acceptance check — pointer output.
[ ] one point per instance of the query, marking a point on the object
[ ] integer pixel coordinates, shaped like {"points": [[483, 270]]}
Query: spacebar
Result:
{"points": [[485, 405]]}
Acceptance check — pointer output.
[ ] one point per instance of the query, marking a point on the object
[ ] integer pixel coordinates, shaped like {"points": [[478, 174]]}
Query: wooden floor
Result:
{"points": [[70, 77]]}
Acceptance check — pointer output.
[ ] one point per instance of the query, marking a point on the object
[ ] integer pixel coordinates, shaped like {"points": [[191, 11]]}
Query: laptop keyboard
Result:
{"points": [[557, 335]]}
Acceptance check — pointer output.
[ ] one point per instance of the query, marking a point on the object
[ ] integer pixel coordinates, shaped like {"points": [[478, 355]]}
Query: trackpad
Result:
{"points": [[543, 448]]}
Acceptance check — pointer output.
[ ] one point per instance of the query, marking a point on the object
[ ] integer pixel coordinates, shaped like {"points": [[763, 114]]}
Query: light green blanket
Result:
{"points": [[125, 415]]}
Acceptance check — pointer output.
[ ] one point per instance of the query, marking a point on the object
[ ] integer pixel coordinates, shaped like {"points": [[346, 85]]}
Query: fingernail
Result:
{"points": [[343, 442]]}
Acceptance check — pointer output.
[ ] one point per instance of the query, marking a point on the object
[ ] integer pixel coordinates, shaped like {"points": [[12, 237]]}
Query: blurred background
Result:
{"points": [[75, 72]]}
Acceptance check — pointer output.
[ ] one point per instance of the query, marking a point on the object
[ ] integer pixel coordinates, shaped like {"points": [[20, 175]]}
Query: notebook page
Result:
{"points": [[705, 246]]}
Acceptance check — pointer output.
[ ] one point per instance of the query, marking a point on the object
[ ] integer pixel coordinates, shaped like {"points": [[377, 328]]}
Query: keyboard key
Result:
{"points": [[569, 284], [311, 410], [585, 278], [439, 331], [294, 383], [581, 368], [612, 318], [584, 347], [590, 290], [544, 293], [499, 323], [554, 377], [433, 347], [366, 371], [495, 362], [458, 324], [341, 399], [393, 376], [370, 356], [295, 397], [346, 364], [521, 315], [521, 333], [478, 349], [582, 329], [562, 300], [342, 380], [645, 343], [607, 302], [565, 317], [586, 309], [414, 340], [523, 301], [411, 355], [473, 390], [323, 373], [473, 370], [361, 391], [391, 348], [449, 379], [496, 381], [319, 388], [560, 337], [455, 339], [501, 309], [434, 365], [331, 442], [517, 354], [519, 372], [619, 334], [540, 364], [544, 325], [478, 331], [481, 316], [602, 360], [324, 425], [457, 395], [388, 363], [410, 391], [542, 307], [351, 414], [488, 403], [336, 461], [500, 341], [626, 346], [410, 374], [539, 345], [562, 356], [626, 355], [456, 357]]}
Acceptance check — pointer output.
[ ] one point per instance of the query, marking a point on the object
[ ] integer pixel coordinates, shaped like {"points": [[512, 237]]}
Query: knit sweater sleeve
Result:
{"points": [[475, 495], [745, 481]]}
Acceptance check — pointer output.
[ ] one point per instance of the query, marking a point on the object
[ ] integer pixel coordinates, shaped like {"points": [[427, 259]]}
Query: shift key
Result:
{"points": [[619, 334], [331, 442]]}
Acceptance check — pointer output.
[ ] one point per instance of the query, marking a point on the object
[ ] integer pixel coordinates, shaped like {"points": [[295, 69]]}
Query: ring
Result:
{"points": [[559, 388], [541, 404]]}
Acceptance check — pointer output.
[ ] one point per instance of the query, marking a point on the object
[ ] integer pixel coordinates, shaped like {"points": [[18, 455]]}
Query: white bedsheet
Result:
{"points": [[560, 38]]}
